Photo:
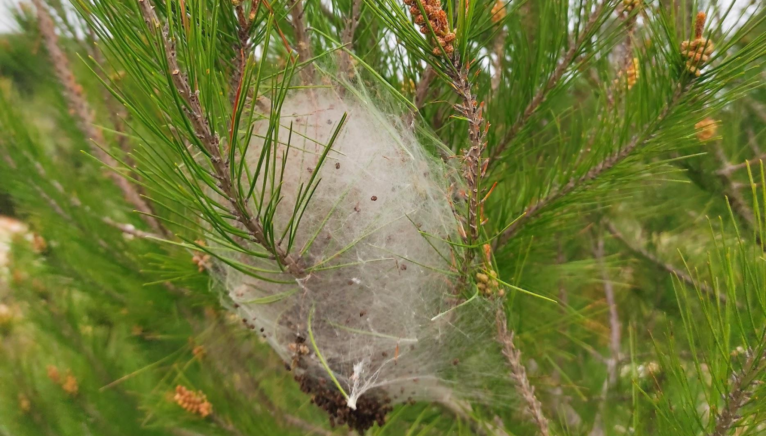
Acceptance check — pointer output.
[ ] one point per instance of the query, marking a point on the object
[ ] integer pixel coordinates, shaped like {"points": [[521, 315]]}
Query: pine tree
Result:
{"points": [[395, 217]]}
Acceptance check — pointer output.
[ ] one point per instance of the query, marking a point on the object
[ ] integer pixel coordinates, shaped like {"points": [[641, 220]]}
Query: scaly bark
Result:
{"points": [[211, 142]]}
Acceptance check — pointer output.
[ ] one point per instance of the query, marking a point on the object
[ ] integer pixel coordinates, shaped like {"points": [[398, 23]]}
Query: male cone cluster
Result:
{"points": [[698, 50], [629, 5], [438, 20], [193, 402], [498, 12], [630, 75]]}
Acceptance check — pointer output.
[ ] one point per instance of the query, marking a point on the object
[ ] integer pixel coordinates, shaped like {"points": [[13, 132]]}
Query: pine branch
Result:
{"points": [[423, 86], [728, 169], [629, 20], [116, 113], [519, 374], [559, 402], [53, 204], [114, 110], [733, 195], [614, 336], [241, 48], [605, 165], [303, 45], [83, 114], [739, 393], [347, 36], [497, 62], [432, 19], [211, 142], [729, 188], [553, 80], [474, 165], [614, 316], [627, 70], [421, 92], [131, 230], [498, 46], [737, 201], [651, 257]]}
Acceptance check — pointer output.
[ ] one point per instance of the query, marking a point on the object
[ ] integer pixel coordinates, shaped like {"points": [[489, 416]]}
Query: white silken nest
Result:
{"points": [[374, 318]]}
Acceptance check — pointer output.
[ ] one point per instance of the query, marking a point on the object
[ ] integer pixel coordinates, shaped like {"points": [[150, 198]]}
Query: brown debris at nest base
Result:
{"points": [[369, 410]]}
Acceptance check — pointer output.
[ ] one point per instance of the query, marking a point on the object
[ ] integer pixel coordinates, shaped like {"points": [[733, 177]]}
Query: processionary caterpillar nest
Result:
{"points": [[374, 318]]}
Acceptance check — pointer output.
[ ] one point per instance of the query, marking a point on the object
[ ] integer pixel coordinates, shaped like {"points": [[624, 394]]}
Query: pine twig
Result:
{"points": [[629, 20], [605, 165], [347, 36], [242, 48], [739, 393], [131, 230], [303, 45], [498, 45], [424, 85], [53, 204], [113, 108], [83, 114], [116, 115], [651, 257], [730, 188], [553, 80], [559, 403], [614, 316], [736, 200], [421, 92], [729, 169], [614, 337], [519, 374], [211, 142], [474, 165]]}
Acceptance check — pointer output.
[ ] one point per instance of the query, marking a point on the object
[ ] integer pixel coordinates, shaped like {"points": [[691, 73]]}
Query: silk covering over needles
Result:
{"points": [[375, 311]]}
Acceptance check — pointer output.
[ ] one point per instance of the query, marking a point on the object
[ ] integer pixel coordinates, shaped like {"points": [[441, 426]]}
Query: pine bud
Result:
{"points": [[70, 384], [706, 129], [24, 404], [53, 373]]}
